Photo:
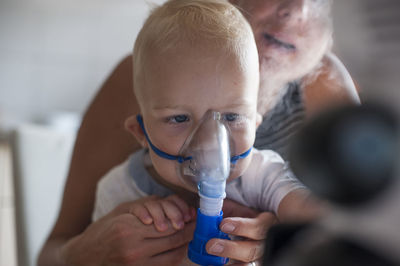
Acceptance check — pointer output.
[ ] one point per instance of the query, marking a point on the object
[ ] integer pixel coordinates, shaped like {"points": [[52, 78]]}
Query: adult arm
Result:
{"points": [[101, 144], [329, 86], [300, 205]]}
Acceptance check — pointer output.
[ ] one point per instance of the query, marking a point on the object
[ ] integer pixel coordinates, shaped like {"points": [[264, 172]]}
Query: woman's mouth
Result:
{"points": [[271, 40]]}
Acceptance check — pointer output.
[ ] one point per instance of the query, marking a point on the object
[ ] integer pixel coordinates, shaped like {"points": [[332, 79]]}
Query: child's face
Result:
{"points": [[180, 89]]}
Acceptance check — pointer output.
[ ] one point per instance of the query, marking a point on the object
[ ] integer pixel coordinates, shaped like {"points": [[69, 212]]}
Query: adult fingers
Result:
{"points": [[233, 209], [252, 228], [125, 239], [179, 238], [170, 258], [246, 251], [128, 224], [134, 241]]}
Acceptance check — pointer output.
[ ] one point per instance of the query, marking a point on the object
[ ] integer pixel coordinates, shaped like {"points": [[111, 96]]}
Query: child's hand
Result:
{"points": [[154, 209]]}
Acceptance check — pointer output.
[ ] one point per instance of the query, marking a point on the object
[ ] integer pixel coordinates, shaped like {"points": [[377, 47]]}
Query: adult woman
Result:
{"points": [[119, 238], [293, 40]]}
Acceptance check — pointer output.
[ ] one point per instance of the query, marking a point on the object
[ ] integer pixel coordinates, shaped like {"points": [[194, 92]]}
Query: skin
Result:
{"points": [[293, 39], [301, 26], [177, 98], [74, 236]]}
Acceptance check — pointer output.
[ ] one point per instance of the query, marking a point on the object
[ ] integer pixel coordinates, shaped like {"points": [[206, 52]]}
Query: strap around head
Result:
{"points": [[235, 158], [159, 152], [178, 158]]}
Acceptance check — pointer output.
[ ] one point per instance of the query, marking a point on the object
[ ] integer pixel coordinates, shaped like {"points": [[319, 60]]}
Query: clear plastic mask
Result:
{"points": [[206, 157], [209, 148]]}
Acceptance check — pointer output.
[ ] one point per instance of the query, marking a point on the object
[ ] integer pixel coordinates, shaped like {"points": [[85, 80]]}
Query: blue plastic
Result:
{"points": [[207, 227]]}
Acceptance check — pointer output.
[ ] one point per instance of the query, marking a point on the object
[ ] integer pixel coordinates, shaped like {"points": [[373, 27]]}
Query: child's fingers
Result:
{"points": [[156, 211], [142, 213], [183, 206], [173, 213]]}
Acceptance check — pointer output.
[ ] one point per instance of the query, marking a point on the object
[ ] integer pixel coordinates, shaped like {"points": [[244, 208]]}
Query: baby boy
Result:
{"points": [[193, 57]]}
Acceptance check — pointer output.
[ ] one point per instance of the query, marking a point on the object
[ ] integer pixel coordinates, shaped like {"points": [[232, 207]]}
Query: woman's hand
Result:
{"points": [[120, 238], [158, 211], [251, 231]]}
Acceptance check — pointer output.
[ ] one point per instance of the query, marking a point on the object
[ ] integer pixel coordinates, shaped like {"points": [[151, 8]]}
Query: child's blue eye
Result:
{"points": [[231, 117], [178, 119]]}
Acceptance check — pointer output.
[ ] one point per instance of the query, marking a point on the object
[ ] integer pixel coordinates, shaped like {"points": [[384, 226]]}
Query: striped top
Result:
{"points": [[282, 122]]}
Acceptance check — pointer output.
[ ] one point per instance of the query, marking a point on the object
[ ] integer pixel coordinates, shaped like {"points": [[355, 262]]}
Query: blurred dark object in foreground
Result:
{"points": [[348, 157], [283, 249]]}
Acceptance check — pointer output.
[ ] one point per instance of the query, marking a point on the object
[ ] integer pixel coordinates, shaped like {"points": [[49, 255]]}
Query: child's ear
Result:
{"points": [[259, 119], [132, 125]]}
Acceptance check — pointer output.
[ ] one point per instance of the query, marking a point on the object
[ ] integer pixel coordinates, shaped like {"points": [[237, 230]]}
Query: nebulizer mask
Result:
{"points": [[204, 163]]}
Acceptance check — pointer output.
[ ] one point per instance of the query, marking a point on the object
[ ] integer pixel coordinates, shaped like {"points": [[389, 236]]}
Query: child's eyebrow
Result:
{"points": [[242, 104], [231, 105], [170, 107]]}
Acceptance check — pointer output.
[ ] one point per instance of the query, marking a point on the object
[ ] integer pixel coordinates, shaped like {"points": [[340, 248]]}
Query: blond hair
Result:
{"points": [[181, 23]]}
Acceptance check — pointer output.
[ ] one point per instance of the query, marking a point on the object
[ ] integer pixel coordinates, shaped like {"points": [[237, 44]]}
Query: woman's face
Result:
{"points": [[291, 35]]}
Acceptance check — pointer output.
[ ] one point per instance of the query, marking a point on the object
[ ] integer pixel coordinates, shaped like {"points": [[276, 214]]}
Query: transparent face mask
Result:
{"points": [[209, 148], [206, 157]]}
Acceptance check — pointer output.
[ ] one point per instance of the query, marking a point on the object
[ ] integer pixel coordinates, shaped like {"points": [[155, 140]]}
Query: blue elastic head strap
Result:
{"points": [[159, 152], [235, 158], [178, 158]]}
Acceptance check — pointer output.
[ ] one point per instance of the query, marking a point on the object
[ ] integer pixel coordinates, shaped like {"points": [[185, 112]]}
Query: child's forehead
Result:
{"points": [[199, 71], [204, 49], [196, 66], [214, 82], [202, 53]]}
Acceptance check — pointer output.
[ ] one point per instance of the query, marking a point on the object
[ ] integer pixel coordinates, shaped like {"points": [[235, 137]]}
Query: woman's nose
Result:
{"points": [[293, 10]]}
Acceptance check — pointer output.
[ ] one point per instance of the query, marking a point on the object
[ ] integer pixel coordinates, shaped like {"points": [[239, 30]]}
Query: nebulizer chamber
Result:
{"points": [[209, 150]]}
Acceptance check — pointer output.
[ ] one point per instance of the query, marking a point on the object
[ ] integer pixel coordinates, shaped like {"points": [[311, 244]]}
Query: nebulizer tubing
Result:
{"points": [[204, 164]]}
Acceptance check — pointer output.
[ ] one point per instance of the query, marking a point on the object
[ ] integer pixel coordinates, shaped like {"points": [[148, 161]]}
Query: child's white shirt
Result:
{"points": [[264, 184]]}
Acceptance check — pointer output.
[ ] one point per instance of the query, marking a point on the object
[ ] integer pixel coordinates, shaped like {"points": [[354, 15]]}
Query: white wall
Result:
{"points": [[55, 54]]}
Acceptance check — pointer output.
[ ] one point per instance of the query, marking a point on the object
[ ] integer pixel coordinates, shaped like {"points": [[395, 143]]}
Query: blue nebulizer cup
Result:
{"points": [[209, 150]]}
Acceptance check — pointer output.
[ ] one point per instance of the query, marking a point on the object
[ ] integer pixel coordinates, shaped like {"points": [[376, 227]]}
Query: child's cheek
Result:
{"points": [[240, 168]]}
